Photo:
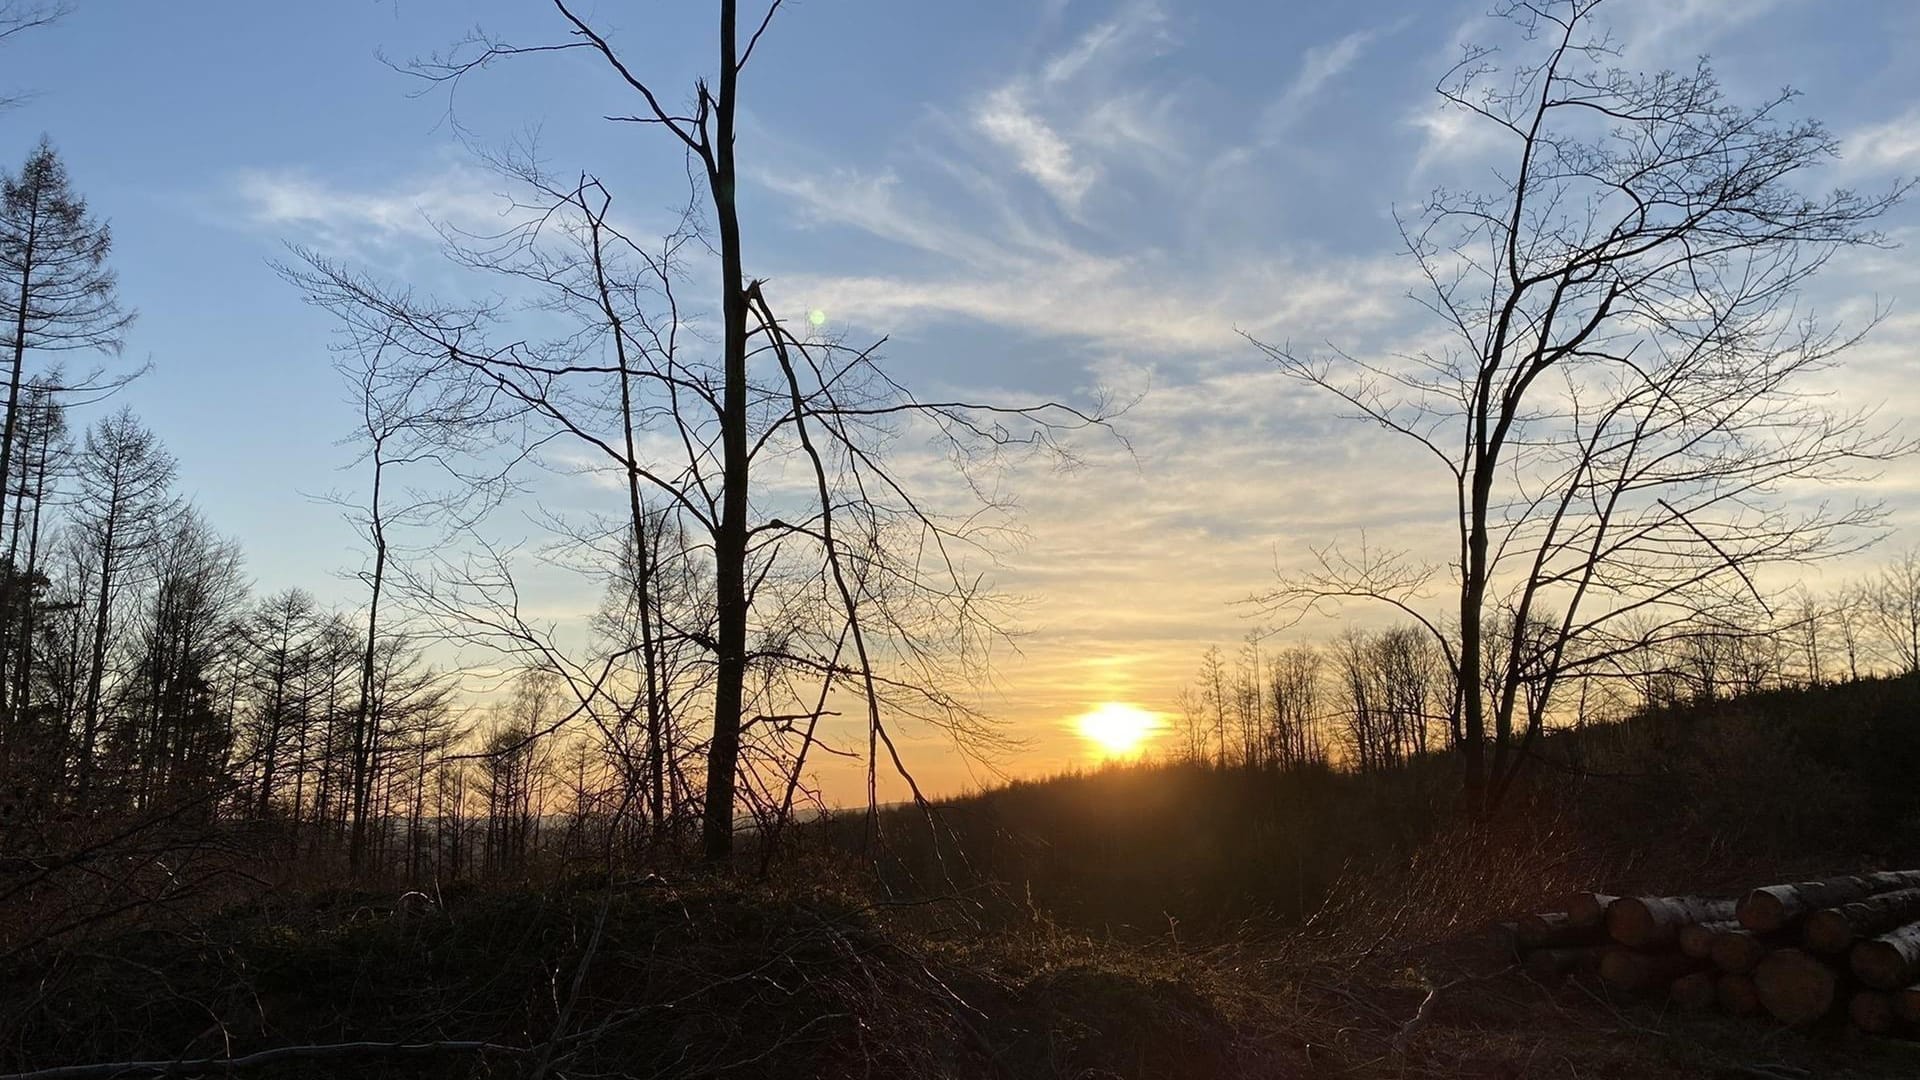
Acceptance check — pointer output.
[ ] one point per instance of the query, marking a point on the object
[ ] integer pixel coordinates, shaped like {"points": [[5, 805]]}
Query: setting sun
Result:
{"points": [[1118, 729]]}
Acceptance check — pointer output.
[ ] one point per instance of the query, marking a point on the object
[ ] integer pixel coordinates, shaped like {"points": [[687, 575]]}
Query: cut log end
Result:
{"points": [[1737, 994], [1763, 911], [1879, 964], [1828, 932], [1871, 1011], [1693, 992], [1588, 910], [1795, 987], [1737, 951], [1696, 939], [1629, 922], [1633, 972], [1906, 1005]]}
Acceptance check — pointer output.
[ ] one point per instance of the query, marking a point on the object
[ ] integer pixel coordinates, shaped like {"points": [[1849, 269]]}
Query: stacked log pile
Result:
{"points": [[1845, 949]]}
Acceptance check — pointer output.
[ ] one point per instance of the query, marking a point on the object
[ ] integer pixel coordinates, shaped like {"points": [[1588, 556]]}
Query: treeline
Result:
{"points": [[775, 588], [1374, 699], [143, 683], [140, 678]]}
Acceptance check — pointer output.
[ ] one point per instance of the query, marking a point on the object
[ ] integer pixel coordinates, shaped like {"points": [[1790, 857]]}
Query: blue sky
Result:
{"points": [[1032, 197]]}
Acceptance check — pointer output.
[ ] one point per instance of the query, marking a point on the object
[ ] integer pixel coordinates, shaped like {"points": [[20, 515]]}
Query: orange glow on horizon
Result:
{"points": [[1118, 729]]}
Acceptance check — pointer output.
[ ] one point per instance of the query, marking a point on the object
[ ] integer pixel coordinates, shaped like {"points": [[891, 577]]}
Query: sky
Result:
{"points": [[1031, 198]]}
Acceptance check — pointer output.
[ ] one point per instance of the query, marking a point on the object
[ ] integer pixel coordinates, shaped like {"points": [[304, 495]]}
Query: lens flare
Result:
{"points": [[1118, 729], [818, 316]]}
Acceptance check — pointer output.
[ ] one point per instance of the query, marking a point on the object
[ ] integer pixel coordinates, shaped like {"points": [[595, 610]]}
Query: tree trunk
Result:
{"points": [[1643, 922], [22, 673], [1472, 694], [1831, 931], [642, 559], [1890, 961], [1795, 987], [360, 780], [90, 732], [730, 539], [1775, 907], [24, 301]]}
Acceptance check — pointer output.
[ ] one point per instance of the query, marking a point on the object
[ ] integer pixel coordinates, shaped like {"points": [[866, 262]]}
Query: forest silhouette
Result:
{"points": [[1613, 776]]}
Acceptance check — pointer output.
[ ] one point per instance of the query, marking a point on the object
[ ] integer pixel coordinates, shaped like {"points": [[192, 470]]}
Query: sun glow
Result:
{"points": [[1117, 729]]}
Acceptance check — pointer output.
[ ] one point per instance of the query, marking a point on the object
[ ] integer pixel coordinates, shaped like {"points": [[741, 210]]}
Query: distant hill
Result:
{"points": [[1802, 779]]}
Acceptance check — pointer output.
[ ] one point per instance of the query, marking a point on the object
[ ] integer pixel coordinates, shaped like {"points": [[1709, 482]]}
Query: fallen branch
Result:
{"points": [[275, 1056]]}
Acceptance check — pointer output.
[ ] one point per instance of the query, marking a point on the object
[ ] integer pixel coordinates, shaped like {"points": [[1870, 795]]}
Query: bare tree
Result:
{"points": [[281, 633], [125, 478], [42, 434], [20, 16], [1893, 604], [1294, 701], [1620, 402], [175, 727], [856, 585], [407, 418], [1851, 614], [56, 292], [1809, 617]]}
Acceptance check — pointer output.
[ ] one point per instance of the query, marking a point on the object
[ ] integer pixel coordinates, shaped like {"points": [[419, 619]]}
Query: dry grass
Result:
{"points": [[1331, 926]]}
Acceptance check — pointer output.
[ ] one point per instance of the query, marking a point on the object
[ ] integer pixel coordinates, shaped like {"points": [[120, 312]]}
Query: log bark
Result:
{"points": [[1625, 969], [1504, 937], [1871, 1011], [1588, 909], [1795, 987], [1694, 991], [1553, 963], [1737, 994], [1554, 930], [1644, 922], [1890, 961], [1834, 930], [1696, 939], [1738, 951], [1775, 907]]}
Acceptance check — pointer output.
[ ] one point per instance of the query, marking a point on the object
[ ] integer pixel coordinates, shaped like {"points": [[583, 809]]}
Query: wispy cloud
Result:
{"points": [[1040, 152], [1099, 278], [1649, 35], [1451, 134], [1040, 283], [1659, 33], [1891, 146], [298, 204], [1321, 65]]}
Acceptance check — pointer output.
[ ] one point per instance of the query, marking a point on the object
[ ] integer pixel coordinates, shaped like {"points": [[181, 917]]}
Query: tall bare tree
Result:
{"points": [[1620, 400], [56, 292], [125, 503], [856, 586], [1893, 604]]}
